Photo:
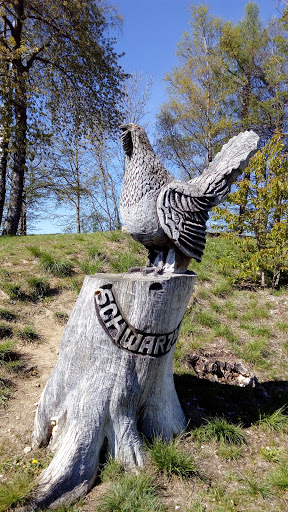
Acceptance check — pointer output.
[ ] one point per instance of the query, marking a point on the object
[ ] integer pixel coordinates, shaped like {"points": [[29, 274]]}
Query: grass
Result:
{"points": [[39, 288], [91, 267], [16, 491], [282, 326], [206, 318], [6, 314], [9, 358], [218, 429], [276, 421], [255, 330], [15, 291], [223, 321], [224, 331], [5, 330], [57, 267], [122, 262], [131, 493], [271, 454], [257, 487], [255, 313], [230, 451], [112, 470], [61, 316], [256, 352], [279, 477], [28, 333], [223, 288], [171, 459], [5, 390]]}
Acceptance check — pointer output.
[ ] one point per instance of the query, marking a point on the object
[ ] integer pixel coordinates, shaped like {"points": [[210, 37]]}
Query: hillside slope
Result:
{"points": [[230, 337]]}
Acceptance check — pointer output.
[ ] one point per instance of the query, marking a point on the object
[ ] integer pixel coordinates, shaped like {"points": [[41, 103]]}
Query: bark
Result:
{"points": [[3, 173], [20, 106], [17, 182], [23, 218], [113, 380]]}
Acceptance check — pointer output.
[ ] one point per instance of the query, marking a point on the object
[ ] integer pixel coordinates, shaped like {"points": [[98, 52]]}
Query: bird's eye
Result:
{"points": [[139, 128]]}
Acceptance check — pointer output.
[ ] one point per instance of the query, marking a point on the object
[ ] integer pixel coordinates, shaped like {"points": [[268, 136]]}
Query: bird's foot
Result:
{"points": [[134, 269], [146, 270]]}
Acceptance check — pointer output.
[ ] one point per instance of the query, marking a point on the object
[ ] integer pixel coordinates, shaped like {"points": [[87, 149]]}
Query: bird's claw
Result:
{"points": [[146, 270]]}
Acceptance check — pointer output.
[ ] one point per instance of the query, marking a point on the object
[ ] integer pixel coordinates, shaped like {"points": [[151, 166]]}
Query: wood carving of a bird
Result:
{"points": [[169, 216]]}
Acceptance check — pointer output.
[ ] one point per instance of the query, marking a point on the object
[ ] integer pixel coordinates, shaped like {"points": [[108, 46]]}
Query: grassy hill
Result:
{"points": [[231, 375]]}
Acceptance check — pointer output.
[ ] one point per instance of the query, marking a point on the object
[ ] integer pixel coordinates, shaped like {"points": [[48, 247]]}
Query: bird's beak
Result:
{"points": [[124, 127]]}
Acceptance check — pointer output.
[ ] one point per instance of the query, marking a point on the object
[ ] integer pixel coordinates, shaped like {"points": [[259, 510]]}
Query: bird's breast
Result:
{"points": [[142, 222]]}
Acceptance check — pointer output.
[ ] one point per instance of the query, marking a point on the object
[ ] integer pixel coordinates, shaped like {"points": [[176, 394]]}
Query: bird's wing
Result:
{"points": [[183, 212], [183, 207]]}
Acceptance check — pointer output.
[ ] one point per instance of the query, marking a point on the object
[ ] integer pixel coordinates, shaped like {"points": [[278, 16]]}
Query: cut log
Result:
{"points": [[113, 380]]}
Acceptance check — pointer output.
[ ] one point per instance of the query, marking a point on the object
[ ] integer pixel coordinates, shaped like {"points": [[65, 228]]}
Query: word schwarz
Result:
{"points": [[125, 335]]}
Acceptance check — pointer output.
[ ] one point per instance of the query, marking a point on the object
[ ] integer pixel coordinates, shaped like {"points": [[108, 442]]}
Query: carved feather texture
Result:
{"points": [[162, 211]]}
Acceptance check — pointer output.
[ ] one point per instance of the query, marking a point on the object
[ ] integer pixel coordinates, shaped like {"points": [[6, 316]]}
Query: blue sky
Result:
{"points": [[152, 29], [149, 37]]}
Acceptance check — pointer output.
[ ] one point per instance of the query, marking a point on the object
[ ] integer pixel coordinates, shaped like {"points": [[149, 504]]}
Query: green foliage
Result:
{"points": [[218, 429], [276, 421], [256, 352], [282, 326], [5, 330], [7, 350], [112, 470], [39, 287], [42, 79], [15, 492], [131, 493], [6, 314], [123, 261], [206, 318], [15, 291], [279, 477], [75, 285], [9, 359], [224, 331], [29, 334], [171, 458], [265, 194], [57, 267], [91, 267], [5, 390], [222, 288], [257, 487], [61, 316], [271, 454], [230, 451]]}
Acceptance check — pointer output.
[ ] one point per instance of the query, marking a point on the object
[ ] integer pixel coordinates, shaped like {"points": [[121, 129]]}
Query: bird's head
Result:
{"points": [[131, 132]]}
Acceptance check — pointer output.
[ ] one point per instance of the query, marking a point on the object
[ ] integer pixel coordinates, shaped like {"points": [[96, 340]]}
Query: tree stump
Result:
{"points": [[113, 380]]}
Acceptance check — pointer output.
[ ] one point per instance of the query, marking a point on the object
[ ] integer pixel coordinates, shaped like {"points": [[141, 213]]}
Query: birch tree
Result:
{"points": [[56, 54]]}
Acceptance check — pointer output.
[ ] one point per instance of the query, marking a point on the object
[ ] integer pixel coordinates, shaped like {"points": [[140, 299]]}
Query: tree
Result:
{"points": [[56, 56], [108, 158], [265, 186], [249, 50], [230, 78], [193, 124]]}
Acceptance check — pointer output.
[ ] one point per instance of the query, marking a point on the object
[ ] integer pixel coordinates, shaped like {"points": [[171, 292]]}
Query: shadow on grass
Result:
{"points": [[201, 398]]}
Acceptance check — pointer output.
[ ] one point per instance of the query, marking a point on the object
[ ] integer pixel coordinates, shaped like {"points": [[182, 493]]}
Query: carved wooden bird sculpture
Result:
{"points": [[169, 216]]}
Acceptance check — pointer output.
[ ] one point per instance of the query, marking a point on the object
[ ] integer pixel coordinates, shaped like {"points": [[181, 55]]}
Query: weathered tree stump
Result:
{"points": [[113, 379]]}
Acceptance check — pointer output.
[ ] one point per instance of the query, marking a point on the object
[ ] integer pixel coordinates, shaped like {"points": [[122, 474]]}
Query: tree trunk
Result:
{"points": [[113, 380], [3, 172], [20, 106], [23, 218], [17, 182]]}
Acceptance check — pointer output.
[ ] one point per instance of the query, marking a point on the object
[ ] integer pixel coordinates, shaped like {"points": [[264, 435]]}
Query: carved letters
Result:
{"points": [[125, 335]]}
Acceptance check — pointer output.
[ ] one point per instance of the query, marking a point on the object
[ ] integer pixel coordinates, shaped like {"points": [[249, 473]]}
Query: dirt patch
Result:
{"points": [[40, 357]]}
